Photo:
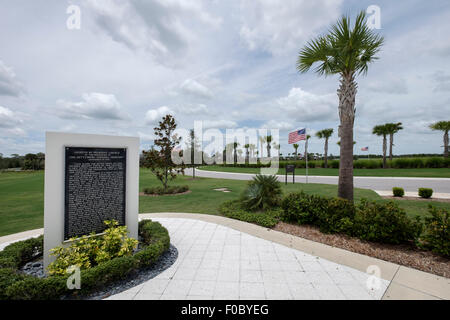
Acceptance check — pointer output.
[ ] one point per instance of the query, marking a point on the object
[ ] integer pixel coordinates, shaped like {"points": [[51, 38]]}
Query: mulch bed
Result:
{"points": [[416, 199], [405, 255], [163, 195]]}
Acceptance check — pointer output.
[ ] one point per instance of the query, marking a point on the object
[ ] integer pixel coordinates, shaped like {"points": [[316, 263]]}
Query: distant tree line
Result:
{"points": [[30, 161]]}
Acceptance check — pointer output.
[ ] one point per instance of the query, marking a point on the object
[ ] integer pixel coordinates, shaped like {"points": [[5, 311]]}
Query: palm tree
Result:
{"points": [[252, 148], [268, 140], [443, 126], [296, 145], [392, 129], [262, 140], [247, 153], [235, 145], [347, 52], [325, 134], [382, 130]]}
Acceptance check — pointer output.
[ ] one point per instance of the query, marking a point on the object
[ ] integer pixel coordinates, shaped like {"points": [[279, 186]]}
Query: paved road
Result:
{"points": [[439, 185]]}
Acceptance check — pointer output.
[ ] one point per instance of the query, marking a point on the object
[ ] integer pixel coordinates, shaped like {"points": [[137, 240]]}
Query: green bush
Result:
{"points": [[331, 215], [17, 254], [425, 193], [262, 193], [338, 217], [88, 251], [436, 234], [434, 163], [398, 192], [384, 222], [234, 210], [170, 190], [24, 287]]}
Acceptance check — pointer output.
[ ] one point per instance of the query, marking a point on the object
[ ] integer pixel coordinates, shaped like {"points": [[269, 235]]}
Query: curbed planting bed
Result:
{"points": [[17, 286]]}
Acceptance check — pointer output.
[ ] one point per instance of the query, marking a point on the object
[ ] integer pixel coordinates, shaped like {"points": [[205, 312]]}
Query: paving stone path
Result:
{"points": [[217, 262]]}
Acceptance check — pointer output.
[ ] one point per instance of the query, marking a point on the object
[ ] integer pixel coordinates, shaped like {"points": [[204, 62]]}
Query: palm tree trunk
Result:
{"points": [[391, 143], [446, 144], [384, 151], [326, 153], [268, 150], [347, 93]]}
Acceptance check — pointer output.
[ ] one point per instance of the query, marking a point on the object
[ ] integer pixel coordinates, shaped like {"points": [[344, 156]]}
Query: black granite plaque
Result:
{"points": [[290, 168], [95, 181]]}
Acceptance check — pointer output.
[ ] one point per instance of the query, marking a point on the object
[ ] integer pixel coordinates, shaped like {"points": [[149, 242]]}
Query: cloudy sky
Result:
{"points": [[229, 63]]}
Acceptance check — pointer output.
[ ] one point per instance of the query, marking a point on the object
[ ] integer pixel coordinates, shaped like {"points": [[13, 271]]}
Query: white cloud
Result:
{"points": [[154, 115], [94, 105], [219, 124], [193, 109], [304, 106], [9, 84], [161, 27], [389, 85], [281, 125], [277, 28], [8, 118], [196, 89]]}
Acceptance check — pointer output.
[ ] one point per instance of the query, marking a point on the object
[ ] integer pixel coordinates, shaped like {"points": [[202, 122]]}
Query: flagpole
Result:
{"points": [[306, 154]]}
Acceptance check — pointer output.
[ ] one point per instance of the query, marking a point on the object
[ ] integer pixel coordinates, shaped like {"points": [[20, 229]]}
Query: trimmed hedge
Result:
{"points": [[425, 193], [169, 190], [372, 221], [399, 163], [233, 209], [398, 192], [16, 286]]}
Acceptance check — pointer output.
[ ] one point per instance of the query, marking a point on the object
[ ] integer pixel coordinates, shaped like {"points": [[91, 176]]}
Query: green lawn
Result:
{"points": [[422, 172], [22, 198]]}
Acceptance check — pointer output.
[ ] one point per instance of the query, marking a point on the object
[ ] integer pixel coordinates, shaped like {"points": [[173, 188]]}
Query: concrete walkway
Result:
{"points": [[439, 185], [222, 258]]}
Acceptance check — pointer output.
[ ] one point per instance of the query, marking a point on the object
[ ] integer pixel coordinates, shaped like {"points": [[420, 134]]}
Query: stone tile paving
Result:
{"points": [[217, 262]]}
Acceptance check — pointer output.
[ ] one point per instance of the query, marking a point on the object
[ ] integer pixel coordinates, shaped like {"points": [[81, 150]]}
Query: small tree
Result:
{"points": [[193, 149], [296, 145], [268, 141], [382, 130], [392, 128], [325, 134], [159, 159], [443, 126]]}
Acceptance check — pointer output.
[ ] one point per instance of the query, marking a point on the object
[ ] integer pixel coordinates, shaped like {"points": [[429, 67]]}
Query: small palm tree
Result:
{"points": [[382, 130], [263, 192], [252, 148], [262, 140], [268, 141], [247, 152], [296, 145], [346, 52], [235, 145], [325, 134], [443, 126], [392, 128]]}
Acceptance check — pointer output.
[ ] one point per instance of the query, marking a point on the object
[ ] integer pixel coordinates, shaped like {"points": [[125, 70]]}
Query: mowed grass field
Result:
{"points": [[22, 198], [419, 172]]}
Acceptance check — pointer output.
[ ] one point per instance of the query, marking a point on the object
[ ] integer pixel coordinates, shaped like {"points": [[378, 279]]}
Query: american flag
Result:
{"points": [[365, 149], [297, 136]]}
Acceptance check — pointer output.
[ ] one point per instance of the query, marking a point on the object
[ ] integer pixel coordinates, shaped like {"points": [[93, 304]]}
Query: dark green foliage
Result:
{"points": [[15, 286], [331, 215], [169, 190], [262, 193], [425, 193], [384, 222], [234, 210], [436, 234], [398, 192]]}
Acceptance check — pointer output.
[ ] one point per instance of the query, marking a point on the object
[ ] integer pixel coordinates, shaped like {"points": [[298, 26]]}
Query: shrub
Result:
{"points": [[425, 193], [234, 210], [302, 208], [263, 192], [88, 251], [334, 164], [398, 192], [331, 215], [434, 162], [24, 287], [338, 217], [436, 235], [170, 190], [384, 222]]}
